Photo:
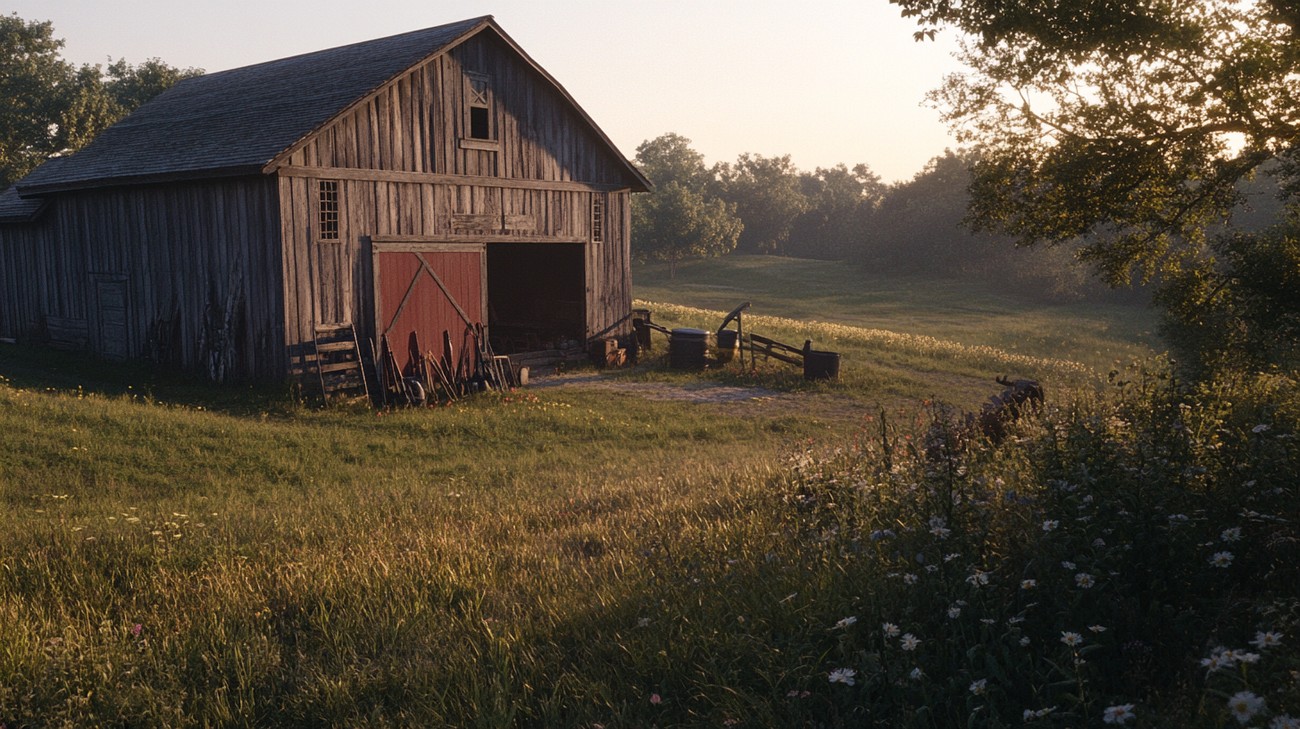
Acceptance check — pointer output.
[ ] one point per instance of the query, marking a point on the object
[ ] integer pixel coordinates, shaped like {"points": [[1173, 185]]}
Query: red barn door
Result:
{"points": [[428, 289]]}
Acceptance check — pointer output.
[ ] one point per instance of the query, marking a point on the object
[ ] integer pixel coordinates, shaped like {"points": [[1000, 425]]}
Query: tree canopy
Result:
{"points": [[33, 79], [838, 204], [681, 218], [1134, 126], [1130, 122], [758, 205], [766, 193], [52, 106]]}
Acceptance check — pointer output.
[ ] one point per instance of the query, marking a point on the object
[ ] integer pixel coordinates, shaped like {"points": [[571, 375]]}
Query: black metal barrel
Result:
{"points": [[686, 349], [728, 344], [819, 365]]}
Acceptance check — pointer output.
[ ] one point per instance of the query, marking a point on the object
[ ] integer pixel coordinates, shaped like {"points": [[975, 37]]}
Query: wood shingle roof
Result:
{"points": [[235, 122]]}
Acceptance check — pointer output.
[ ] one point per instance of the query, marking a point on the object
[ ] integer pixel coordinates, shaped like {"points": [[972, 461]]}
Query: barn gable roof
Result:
{"points": [[240, 121]]}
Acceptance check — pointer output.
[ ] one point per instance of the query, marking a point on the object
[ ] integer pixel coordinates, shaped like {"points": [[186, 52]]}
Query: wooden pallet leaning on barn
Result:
{"points": [[338, 362]]}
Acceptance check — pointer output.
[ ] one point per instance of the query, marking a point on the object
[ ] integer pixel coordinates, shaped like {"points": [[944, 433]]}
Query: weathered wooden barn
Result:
{"points": [[413, 183]]}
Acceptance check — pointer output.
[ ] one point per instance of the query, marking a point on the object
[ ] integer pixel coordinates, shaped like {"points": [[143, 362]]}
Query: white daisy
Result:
{"points": [[1244, 705], [843, 675], [1118, 714]]}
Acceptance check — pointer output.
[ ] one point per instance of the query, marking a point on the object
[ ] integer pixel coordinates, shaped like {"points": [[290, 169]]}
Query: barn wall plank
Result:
{"points": [[417, 124]]}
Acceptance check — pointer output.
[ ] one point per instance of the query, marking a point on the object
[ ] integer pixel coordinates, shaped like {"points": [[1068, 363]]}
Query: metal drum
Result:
{"points": [[728, 345], [687, 348], [820, 365]]}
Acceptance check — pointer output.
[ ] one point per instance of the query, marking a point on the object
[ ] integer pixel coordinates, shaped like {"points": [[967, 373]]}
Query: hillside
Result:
{"points": [[1096, 335]]}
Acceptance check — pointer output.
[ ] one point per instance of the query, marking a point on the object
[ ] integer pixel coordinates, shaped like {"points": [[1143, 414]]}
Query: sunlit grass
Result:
{"points": [[179, 556], [968, 313], [328, 566], [879, 367]]}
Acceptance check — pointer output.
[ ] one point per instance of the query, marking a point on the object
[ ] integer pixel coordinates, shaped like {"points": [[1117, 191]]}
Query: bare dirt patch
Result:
{"points": [[751, 401], [701, 392]]}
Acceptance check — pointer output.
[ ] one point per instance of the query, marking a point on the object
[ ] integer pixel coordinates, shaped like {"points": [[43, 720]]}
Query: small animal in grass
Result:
{"points": [[951, 433], [1008, 406]]}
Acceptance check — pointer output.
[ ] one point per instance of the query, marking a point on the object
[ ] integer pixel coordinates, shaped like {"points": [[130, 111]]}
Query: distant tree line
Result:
{"points": [[765, 205], [51, 106], [1147, 146], [757, 205]]}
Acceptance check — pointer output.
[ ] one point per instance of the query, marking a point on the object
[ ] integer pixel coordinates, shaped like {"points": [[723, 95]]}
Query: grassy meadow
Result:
{"points": [[1095, 334], [845, 555]]}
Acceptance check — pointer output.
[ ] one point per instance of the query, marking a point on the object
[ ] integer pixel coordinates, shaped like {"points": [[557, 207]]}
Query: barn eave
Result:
{"points": [[144, 179], [17, 209]]}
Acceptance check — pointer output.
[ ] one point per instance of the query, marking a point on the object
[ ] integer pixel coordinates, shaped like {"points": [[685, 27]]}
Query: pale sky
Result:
{"points": [[825, 81]]}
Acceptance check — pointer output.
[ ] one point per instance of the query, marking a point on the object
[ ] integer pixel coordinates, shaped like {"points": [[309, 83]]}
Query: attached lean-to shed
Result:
{"points": [[421, 182]]}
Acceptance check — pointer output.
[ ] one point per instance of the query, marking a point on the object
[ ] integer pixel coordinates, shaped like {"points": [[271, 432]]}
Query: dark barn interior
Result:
{"points": [[535, 296]]}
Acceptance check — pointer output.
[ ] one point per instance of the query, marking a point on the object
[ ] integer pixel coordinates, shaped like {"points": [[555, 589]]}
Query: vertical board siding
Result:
{"points": [[25, 252], [169, 252], [416, 123], [426, 210], [181, 248]]}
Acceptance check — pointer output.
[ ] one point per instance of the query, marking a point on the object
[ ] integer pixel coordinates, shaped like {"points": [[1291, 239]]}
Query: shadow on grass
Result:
{"points": [[768, 374], [44, 369]]}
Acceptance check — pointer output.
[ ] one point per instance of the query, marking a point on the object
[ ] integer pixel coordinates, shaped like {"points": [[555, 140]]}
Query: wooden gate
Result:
{"points": [[429, 289]]}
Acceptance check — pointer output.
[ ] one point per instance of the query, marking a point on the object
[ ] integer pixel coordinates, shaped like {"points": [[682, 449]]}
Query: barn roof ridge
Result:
{"points": [[468, 22], [240, 121]]}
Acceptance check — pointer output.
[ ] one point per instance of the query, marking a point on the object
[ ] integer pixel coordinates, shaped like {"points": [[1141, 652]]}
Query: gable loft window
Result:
{"points": [[480, 117], [597, 218], [329, 210]]}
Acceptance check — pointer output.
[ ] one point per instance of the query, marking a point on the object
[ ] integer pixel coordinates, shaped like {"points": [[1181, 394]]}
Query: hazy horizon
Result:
{"points": [[825, 82]]}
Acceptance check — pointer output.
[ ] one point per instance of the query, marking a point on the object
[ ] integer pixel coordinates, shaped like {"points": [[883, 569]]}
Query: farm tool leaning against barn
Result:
{"points": [[429, 378]]}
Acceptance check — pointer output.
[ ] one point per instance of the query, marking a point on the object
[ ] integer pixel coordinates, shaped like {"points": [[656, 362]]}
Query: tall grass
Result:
{"points": [[174, 566], [572, 558]]}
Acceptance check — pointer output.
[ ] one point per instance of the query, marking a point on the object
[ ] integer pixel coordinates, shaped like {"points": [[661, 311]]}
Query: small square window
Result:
{"points": [[479, 128]]}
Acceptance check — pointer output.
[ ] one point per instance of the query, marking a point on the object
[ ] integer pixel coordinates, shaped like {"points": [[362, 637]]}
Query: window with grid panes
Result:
{"points": [[597, 218], [328, 206]]}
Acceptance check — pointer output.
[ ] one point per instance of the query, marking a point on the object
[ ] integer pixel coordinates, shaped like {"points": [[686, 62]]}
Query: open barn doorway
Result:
{"points": [[536, 296]]}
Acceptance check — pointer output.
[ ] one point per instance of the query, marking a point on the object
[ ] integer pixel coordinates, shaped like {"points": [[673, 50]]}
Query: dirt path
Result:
{"points": [[701, 392], [749, 400]]}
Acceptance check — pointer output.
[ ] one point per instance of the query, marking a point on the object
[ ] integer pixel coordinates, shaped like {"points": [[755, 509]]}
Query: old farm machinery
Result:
{"points": [[689, 349]]}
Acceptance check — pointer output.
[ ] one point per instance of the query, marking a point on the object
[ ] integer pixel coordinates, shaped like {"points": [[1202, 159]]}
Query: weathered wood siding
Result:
{"points": [[142, 268], [406, 167], [313, 273], [418, 122], [26, 259]]}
